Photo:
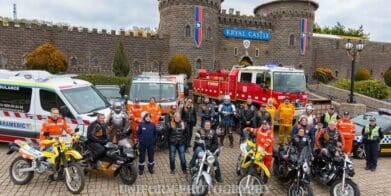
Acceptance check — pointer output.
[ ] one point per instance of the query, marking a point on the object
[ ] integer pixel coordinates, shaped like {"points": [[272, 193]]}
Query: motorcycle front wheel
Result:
{"points": [[350, 189], [74, 178], [18, 177], [300, 189], [200, 188], [250, 184], [128, 174]]}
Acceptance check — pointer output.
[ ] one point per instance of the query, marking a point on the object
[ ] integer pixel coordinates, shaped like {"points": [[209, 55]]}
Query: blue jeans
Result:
{"points": [[181, 149]]}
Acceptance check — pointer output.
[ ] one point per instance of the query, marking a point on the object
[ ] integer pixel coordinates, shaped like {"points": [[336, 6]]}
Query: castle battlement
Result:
{"points": [[209, 3], [243, 20], [82, 30]]}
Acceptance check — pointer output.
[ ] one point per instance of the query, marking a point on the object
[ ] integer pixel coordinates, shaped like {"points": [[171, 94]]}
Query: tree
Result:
{"points": [[387, 76], [121, 66], [362, 74], [178, 64], [47, 57]]}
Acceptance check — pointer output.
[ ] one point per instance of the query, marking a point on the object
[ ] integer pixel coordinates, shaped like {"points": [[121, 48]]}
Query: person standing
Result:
{"points": [[146, 132], [227, 113], [154, 110], [135, 111], [286, 111], [177, 142], [189, 116], [206, 111], [272, 111], [348, 131], [311, 118], [372, 135], [330, 115], [247, 115], [97, 135], [54, 126], [262, 115], [303, 124]]}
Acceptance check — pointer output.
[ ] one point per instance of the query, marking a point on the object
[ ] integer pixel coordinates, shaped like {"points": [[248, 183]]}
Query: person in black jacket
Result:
{"points": [[97, 137], [146, 133], [262, 115], [177, 141], [189, 116], [247, 115], [372, 135], [211, 143], [206, 112]]}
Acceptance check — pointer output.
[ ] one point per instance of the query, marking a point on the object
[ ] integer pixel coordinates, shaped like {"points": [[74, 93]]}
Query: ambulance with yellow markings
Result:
{"points": [[27, 96]]}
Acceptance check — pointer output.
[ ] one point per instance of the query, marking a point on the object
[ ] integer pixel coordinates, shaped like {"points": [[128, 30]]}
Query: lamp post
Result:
{"points": [[353, 50]]}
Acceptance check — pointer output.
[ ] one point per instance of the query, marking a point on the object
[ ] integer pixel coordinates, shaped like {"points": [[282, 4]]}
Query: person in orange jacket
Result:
{"points": [[348, 131], [272, 111], [264, 139], [286, 111], [54, 126], [154, 109], [135, 111]]}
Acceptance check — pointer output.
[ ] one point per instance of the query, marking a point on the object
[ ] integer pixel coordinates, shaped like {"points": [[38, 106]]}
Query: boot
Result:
{"points": [[222, 141], [231, 141]]}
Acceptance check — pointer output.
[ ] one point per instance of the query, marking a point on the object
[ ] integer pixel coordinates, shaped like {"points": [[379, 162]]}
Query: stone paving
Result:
{"points": [[370, 183]]}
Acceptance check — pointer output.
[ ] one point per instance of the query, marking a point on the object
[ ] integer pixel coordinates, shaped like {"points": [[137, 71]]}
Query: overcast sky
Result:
{"points": [[375, 15]]}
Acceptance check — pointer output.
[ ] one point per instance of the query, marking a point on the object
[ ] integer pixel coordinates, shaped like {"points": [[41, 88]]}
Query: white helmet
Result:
{"points": [[227, 99], [309, 107]]}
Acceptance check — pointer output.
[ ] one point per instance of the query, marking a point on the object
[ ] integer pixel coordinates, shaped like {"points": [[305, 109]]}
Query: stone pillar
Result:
{"points": [[353, 108]]}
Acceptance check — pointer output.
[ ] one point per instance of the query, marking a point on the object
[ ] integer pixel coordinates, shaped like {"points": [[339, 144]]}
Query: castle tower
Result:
{"points": [[192, 27], [292, 26]]}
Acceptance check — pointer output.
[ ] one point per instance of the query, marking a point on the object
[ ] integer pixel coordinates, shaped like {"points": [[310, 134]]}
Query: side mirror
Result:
{"points": [[77, 130], [64, 111]]}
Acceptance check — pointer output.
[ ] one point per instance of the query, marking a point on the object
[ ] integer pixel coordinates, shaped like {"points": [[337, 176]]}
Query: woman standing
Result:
{"points": [[177, 141], [190, 118]]}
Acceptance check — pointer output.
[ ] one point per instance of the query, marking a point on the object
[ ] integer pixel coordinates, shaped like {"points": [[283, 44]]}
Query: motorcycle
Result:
{"points": [[162, 136], [335, 171], [201, 178], [119, 161], [254, 172], [294, 169], [59, 160]]}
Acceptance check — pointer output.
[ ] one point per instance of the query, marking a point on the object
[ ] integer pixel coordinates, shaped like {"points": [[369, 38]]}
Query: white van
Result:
{"points": [[26, 98]]}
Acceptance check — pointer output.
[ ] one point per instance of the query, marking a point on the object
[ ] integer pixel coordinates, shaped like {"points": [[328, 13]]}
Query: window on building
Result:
{"points": [[291, 40], [236, 51], [336, 73], [209, 33], [187, 31], [308, 41], [16, 99], [257, 52], [337, 44], [245, 77], [49, 100], [198, 64], [73, 61], [2, 60], [383, 48], [155, 66]]}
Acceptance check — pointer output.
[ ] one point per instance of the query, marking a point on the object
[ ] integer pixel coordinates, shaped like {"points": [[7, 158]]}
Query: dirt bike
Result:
{"points": [[294, 169], [59, 159], [254, 172], [201, 178], [334, 169], [119, 161]]}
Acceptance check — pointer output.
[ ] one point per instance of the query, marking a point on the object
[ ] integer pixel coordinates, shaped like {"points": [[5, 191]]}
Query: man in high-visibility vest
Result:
{"points": [[135, 111], [286, 112], [154, 109], [329, 116], [347, 129], [54, 126], [371, 135], [272, 111]]}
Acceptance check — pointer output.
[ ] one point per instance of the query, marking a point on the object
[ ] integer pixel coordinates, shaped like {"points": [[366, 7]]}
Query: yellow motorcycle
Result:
{"points": [[254, 172], [59, 159]]}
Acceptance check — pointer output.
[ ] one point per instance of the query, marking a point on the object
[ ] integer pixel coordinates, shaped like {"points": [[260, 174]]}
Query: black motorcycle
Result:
{"points": [[162, 136], [294, 169], [119, 161], [334, 168]]}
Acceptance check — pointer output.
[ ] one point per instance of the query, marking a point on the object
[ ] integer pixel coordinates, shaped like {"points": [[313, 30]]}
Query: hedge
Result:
{"points": [[323, 74], [98, 79], [372, 88], [387, 76], [362, 74]]}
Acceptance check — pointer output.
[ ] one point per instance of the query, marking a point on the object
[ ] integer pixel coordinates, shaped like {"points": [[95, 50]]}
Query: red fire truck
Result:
{"points": [[256, 82]]}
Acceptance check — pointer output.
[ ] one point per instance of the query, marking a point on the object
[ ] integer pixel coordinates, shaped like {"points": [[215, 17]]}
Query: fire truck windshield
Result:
{"points": [[144, 91], [289, 82]]}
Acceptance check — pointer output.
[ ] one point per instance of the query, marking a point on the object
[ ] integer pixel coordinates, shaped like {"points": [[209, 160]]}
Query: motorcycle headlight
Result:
{"points": [[306, 168], [201, 154], [211, 159]]}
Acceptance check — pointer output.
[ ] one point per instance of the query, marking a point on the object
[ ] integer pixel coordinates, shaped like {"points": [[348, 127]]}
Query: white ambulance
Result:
{"points": [[27, 96]]}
